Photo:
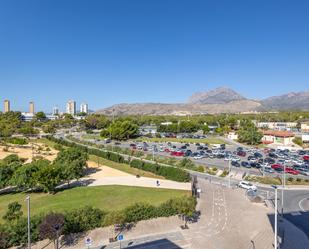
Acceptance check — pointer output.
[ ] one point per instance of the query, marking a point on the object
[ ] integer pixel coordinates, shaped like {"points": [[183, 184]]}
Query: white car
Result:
{"points": [[247, 185], [198, 157]]}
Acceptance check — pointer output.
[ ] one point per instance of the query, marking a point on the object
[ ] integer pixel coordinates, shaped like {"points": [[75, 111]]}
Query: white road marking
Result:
{"points": [[300, 205]]}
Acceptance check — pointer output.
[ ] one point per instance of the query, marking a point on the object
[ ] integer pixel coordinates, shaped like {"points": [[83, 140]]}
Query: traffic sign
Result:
{"points": [[120, 237]]}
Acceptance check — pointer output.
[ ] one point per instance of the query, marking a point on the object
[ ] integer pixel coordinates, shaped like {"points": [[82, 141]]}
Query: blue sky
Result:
{"points": [[108, 52]]}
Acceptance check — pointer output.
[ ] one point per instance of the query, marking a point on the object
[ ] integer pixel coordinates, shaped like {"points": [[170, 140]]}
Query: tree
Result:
{"points": [[96, 121], [40, 116], [205, 129], [123, 130], [187, 209], [51, 227], [14, 212], [71, 163], [25, 176], [48, 177], [248, 133]]}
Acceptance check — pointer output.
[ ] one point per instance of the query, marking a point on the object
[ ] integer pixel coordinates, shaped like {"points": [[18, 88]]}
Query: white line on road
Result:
{"points": [[300, 205]]}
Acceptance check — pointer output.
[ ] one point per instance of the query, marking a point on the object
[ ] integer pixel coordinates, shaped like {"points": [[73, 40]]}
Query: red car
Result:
{"points": [[291, 171], [167, 150], [241, 153], [276, 166], [177, 153], [306, 158]]}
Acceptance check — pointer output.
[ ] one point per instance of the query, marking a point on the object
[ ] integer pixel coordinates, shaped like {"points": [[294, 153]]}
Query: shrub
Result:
{"points": [[139, 211], [114, 217], [170, 173], [83, 219]]}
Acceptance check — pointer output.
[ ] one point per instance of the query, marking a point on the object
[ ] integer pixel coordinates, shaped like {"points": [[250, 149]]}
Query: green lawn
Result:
{"points": [[92, 136], [123, 167], [208, 140], [104, 197]]}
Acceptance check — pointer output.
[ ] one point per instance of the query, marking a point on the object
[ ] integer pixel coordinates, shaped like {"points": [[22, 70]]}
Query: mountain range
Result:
{"points": [[219, 100]]}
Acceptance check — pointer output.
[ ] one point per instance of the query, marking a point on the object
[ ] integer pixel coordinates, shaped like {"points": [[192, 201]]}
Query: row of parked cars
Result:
{"points": [[267, 160], [271, 160]]}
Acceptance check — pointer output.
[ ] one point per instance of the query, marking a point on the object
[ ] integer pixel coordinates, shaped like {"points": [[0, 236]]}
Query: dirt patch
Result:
{"points": [[29, 151]]}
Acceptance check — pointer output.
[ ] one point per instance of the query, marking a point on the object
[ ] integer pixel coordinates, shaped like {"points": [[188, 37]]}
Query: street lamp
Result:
{"points": [[57, 228], [282, 190], [276, 216], [230, 173], [28, 209]]}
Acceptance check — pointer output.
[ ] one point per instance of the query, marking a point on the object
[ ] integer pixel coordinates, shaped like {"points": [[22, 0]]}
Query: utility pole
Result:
{"points": [[28, 209], [276, 217]]}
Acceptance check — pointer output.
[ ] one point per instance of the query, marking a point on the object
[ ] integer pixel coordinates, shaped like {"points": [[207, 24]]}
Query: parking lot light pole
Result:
{"points": [[28, 210], [282, 190], [276, 217], [229, 173]]}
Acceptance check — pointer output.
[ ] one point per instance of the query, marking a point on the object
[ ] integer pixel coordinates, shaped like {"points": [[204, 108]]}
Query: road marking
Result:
{"points": [[300, 205]]}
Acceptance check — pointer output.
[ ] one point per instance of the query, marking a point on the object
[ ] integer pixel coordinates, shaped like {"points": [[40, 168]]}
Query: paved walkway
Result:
{"points": [[108, 176]]}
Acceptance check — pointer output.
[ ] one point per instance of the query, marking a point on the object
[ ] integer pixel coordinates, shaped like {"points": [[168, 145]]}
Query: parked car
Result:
{"points": [[245, 164], [291, 171], [241, 153], [235, 164], [268, 169], [247, 185]]}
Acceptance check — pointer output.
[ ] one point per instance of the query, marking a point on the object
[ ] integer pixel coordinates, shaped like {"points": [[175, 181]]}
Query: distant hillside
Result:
{"points": [[290, 101], [220, 95], [219, 100]]}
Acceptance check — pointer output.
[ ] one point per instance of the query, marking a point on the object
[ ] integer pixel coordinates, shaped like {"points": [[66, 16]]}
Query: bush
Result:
{"points": [[139, 211], [83, 219], [170, 173], [17, 140], [87, 218]]}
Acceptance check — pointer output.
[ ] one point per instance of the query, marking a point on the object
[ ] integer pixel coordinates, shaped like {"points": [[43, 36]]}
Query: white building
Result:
{"points": [[232, 135], [277, 137], [305, 138], [278, 126], [304, 127], [55, 110], [71, 107], [84, 108]]}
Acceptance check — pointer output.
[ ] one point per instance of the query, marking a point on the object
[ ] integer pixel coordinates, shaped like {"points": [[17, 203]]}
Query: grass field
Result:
{"points": [[92, 136], [209, 140], [104, 197], [123, 167]]}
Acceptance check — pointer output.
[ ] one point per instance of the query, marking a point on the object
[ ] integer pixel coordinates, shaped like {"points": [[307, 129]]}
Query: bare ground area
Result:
{"points": [[29, 151]]}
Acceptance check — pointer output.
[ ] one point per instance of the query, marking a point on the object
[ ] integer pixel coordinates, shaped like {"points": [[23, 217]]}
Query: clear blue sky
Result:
{"points": [[108, 52]]}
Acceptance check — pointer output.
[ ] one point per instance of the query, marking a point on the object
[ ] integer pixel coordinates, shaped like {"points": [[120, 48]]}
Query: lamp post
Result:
{"points": [[229, 173], [282, 190], [28, 211], [57, 228], [276, 217]]}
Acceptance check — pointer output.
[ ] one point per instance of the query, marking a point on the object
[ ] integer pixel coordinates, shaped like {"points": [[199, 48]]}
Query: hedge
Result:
{"points": [[170, 173], [87, 218]]}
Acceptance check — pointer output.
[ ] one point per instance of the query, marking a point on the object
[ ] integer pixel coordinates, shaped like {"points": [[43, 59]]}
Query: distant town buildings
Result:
{"points": [[84, 108], [71, 107], [55, 110], [31, 107], [279, 126], [7, 107]]}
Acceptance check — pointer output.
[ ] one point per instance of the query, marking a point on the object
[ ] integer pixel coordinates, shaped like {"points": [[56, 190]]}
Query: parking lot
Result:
{"points": [[253, 161]]}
